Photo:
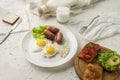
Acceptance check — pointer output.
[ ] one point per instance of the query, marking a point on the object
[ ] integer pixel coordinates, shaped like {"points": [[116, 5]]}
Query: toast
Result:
{"points": [[89, 51], [11, 18], [93, 72]]}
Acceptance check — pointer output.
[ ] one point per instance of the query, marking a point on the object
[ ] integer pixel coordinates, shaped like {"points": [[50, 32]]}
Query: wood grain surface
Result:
{"points": [[80, 66]]}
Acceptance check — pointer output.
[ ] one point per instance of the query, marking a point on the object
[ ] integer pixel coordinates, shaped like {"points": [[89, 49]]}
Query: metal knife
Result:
{"points": [[10, 31]]}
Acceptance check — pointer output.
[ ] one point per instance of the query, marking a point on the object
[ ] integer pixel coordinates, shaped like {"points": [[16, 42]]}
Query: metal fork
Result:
{"points": [[85, 27]]}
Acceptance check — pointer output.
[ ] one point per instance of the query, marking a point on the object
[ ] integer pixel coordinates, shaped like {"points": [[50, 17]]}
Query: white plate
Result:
{"points": [[39, 60]]}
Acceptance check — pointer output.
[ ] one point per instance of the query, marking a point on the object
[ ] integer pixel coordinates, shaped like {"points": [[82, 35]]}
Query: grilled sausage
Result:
{"points": [[49, 35], [59, 37], [53, 29]]}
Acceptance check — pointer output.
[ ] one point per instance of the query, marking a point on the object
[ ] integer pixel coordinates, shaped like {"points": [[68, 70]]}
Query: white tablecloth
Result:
{"points": [[14, 66]]}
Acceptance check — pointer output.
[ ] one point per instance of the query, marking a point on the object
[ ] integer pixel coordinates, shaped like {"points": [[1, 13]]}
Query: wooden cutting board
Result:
{"points": [[80, 66]]}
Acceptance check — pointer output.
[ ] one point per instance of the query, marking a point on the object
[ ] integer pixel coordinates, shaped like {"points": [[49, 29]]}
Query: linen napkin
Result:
{"points": [[102, 27]]}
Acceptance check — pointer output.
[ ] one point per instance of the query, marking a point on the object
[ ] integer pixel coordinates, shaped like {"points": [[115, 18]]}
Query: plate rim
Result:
{"points": [[55, 65]]}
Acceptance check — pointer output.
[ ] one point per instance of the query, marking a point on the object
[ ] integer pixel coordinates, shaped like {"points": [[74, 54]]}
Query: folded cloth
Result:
{"points": [[46, 8], [102, 27]]}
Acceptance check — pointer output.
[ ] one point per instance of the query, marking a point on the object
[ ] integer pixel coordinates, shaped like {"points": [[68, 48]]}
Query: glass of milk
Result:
{"points": [[63, 14]]}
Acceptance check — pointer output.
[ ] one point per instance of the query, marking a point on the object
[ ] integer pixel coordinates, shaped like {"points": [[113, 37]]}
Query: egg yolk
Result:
{"points": [[50, 49], [41, 42]]}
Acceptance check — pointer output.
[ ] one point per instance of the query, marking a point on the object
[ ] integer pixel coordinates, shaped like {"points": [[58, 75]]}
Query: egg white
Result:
{"points": [[36, 48], [63, 49], [46, 54]]}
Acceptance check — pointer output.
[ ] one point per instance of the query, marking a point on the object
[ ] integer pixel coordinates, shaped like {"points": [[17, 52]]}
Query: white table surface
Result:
{"points": [[14, 66]]}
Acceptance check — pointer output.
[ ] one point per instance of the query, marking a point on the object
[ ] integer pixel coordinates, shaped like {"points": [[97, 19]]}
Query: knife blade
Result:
{"points": [[10, 31]]}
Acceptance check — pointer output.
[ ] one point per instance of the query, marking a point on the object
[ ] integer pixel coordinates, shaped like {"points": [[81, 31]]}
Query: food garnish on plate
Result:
{"points": [[49, 40], [37, 32]]}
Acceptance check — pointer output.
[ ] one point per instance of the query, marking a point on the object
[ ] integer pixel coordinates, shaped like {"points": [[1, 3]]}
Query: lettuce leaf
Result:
{"points": [[37, 32]]}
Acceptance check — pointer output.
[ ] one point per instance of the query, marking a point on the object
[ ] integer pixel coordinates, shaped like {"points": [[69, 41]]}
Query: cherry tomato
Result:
{"points": [[92, 51], [87, 56], [85, 50]]}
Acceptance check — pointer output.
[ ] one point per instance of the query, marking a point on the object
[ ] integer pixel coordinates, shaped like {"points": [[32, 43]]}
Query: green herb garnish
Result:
{"points": [[38, 32]]}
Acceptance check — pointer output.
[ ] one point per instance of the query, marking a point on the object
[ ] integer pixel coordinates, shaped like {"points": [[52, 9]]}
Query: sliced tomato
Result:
{"points": [[87, 56], [97, 47], [85, 50], [92, 51]]}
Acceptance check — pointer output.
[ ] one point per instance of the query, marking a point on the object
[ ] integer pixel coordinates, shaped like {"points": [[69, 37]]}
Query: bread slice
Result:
{"points": [[11, 18], [93, 72], [90, 51]]}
